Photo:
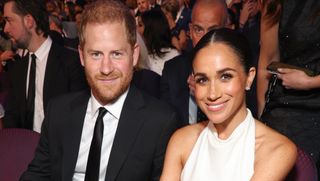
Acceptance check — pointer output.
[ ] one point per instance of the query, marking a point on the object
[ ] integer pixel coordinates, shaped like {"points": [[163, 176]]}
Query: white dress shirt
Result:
{"points": [[110, 123], [41, 63]]}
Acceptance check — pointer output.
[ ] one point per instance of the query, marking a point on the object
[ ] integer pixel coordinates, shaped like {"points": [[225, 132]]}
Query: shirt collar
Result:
{"points": [[114, 108], [44, 49]]}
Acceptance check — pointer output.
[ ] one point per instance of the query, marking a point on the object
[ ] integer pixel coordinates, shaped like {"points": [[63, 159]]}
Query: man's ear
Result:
{"points": [[136, 53], [29, 21], [81, 55]]}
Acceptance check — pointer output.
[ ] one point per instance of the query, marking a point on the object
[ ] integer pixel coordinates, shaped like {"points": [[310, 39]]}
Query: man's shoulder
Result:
{"points": [[153, 105], [177, 64], [59, 50], [71, 97], [178, 60], [158, 111]]}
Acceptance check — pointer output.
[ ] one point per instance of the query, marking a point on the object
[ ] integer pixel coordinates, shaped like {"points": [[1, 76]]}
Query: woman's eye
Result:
{"points": [[226, 76], [201, 80]]}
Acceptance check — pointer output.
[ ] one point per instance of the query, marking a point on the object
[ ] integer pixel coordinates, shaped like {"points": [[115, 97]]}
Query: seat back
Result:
{"points": [[17, 147], [304, 168]]}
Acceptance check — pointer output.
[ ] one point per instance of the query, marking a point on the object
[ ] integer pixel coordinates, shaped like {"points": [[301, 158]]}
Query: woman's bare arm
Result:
{"points": [[269, 51], [275, 155]]}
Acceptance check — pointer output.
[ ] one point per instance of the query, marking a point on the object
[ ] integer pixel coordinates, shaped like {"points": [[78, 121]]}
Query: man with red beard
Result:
{"points": [[113, 132]]}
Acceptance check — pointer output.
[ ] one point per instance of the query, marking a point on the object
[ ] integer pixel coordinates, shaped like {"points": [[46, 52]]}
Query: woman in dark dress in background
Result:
{"points": [[290, 103]]}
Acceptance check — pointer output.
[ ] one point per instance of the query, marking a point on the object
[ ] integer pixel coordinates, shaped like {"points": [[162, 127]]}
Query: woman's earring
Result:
{"points": [[247, 88]]}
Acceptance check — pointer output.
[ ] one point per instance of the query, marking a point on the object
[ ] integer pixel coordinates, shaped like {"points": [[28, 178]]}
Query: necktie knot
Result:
{"points": [[102, 112], [33, 57]]}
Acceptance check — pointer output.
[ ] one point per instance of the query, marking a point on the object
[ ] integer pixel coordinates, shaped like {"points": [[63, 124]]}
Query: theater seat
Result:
{"points": [[17, 147], [304, 169]]}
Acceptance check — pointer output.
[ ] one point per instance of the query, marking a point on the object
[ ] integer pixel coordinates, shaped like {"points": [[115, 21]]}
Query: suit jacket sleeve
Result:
{"points": [[16, 93], [171, 125], [40, 167]]}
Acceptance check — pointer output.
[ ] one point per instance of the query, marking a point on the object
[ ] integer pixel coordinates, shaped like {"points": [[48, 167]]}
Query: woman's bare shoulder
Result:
{"points": [[275, 154], [189, 134], [185, 138], [267, 138]]}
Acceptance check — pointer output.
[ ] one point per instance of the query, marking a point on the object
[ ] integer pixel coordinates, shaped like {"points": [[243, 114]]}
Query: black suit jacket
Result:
{"points": [[174, 88], [148, 81], [137, 154], [63, 74]]}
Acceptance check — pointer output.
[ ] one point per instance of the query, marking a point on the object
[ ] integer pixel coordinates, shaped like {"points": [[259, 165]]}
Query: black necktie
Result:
{"points": [[93, 164], [31, 93]]}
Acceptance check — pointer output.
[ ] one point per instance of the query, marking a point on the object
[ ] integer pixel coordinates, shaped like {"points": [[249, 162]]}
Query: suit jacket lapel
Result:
{"points": [[128, 128], [73, 130]]}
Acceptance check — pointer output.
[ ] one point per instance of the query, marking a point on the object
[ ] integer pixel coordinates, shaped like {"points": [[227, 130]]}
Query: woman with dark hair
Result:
{"points": [[290, 103], [231, 145], [156, 34]]}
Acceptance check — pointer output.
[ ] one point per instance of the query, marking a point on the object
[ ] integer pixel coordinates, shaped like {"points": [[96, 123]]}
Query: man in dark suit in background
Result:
{"points": [[206, 15], [57, 70], [130, 128]]}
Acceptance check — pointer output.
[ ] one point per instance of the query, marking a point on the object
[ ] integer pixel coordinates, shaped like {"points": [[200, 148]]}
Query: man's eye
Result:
{"points": [[198, 30], [116, 55], [96, 55]]}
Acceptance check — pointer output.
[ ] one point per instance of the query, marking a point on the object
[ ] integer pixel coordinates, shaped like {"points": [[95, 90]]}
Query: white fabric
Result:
{"points": [[213, 159], [110, 122], [156, 63], [42, 54]]}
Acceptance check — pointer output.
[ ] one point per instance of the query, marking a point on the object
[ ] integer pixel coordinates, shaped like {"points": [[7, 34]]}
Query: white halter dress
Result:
{"points": [[213, 159]]}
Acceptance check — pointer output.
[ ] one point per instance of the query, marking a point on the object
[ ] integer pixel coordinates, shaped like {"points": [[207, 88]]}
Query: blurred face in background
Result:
{"points": [[17, 27], [204, 19], [143, 5], [255, 7]]}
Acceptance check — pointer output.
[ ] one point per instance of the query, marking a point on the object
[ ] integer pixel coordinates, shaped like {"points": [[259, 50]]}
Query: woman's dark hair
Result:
{"points": [[233, 39], [156, 32], [37, 9]]}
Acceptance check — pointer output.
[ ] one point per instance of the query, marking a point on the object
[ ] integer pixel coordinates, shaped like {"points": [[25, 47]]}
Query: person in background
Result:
{"points": [[144, 78], [156, 34], [249, 26], [289, 99], [231, 144], [47, 71], [142, 6], [114, 131], [206, 15], [178, 19]]}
